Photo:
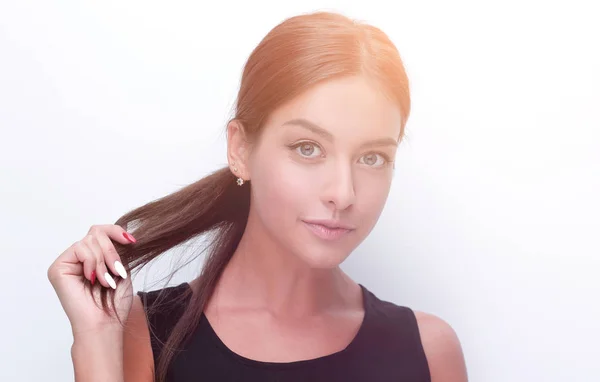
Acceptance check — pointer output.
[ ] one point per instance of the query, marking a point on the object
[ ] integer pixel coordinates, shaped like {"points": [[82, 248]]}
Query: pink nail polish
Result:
{"points": [[129, 237]]}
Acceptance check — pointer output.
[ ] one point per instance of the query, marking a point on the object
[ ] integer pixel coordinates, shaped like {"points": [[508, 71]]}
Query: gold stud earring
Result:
{"points": [[235, 169], [240, 181]]}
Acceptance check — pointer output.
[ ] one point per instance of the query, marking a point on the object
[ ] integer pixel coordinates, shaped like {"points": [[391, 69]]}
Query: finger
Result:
{"points": [[114, 232], [111, 256], [90, 245], [87, 258], [105, 252], [104, 276]]}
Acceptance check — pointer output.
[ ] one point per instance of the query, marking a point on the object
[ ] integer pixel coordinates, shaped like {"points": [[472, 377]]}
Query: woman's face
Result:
{"points": [[324, 159]]}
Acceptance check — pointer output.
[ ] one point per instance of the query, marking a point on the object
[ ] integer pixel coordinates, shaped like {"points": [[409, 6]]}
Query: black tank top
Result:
{"points": [[387, 347]]}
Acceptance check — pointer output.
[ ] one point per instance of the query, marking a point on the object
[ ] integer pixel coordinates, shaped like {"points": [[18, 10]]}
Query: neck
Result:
{"points": [[261, 274]]}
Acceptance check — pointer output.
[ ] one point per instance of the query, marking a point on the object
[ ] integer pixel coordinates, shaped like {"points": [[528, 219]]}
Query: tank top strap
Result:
{"points": [[391, 333], [163, 308]]}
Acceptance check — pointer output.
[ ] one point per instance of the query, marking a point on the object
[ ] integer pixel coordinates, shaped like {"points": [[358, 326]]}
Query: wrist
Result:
{"points": [[83, 333], [107, 340], [98, 358]]}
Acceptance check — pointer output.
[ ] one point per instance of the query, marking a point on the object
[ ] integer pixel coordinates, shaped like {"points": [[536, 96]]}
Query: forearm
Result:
{"points": [[98, 358]]}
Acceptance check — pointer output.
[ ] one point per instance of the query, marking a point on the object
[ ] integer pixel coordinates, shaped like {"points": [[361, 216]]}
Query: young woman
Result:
{"points": [[320, 113]]}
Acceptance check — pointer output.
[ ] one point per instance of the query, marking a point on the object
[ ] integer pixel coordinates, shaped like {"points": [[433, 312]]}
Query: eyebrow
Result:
{"points": [[327, 135], [310, 126]]}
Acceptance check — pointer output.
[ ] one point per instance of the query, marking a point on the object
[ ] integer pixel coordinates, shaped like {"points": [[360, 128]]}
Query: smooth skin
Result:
{"points": [[327, 154], [97, 349]]}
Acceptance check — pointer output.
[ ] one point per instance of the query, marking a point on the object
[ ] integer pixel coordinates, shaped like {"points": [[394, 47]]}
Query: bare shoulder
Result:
{"points": [[442, 349], [138, 361]]}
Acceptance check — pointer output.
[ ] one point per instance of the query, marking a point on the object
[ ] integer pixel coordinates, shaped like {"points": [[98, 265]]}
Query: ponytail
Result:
{"points": [[213, 205]]}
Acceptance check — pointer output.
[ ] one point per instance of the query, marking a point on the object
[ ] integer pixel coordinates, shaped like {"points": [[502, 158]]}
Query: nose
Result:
{"points": [[339, 188]]}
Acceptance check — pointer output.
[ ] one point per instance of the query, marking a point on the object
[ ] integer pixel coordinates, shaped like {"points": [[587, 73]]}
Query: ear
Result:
{"points": [[237, 150]]}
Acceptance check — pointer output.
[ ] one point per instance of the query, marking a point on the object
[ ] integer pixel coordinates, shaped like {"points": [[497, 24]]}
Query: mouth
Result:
{"points": [[328, 229]]}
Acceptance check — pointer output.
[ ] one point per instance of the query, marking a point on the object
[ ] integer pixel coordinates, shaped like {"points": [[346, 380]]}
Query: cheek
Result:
{"points": [[281, 193], [372, 194]]}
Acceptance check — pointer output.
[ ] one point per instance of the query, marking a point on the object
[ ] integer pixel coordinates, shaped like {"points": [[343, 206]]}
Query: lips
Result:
{"points": [[328, 229]]}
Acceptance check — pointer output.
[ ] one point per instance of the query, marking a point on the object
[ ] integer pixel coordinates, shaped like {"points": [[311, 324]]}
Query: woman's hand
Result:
{"points": [[93, 258]]}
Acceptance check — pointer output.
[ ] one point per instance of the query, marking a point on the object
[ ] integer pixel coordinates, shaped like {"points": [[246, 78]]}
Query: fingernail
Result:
{"points": [[120, 269], [129, 237], [110, 280], [93, 277]]}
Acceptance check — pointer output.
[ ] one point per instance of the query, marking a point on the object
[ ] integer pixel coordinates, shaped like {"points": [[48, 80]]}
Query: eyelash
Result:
{"points": [[386, 158]]}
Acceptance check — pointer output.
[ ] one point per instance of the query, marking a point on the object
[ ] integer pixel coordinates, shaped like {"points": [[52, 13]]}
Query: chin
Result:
{"points": [[319, 258]]}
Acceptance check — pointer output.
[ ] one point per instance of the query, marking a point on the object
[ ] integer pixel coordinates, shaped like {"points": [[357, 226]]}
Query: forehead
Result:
{"points": [[352, 107]]}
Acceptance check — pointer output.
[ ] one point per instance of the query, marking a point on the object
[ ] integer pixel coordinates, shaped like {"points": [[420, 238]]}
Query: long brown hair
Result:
{"points": [[297, 54]]}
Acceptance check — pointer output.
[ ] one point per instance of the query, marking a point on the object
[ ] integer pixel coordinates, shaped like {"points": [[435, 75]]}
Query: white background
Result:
{"points": [[493, 219]]}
